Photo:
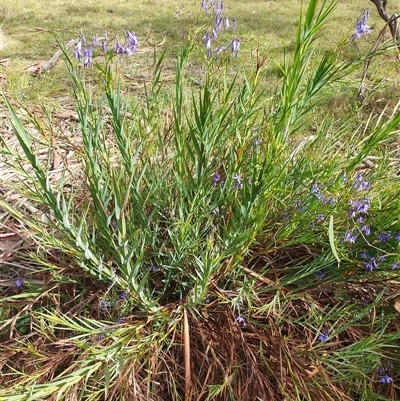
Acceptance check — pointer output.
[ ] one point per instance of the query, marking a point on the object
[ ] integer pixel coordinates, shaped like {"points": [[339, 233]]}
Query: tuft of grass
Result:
{"points": [[202, 240]]}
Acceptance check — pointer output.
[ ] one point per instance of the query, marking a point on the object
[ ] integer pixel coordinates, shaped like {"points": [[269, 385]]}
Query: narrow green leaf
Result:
{"points": [[332, 239]]}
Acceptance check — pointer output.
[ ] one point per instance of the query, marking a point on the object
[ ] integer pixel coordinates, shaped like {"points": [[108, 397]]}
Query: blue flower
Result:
{"points": [[216, 178], [384, 237], [19, 283], [87, 57], [324, 335], [204, 6], [123, 295], [359, 207], [316, 190], [360, 184], [371, 264], [361, 28], [385, 379], [119, 49], [218, 24], [78, 51], [237, 181], [207, 39], [235, 44], [366, 229], [350, 237], [241, 321], [132, 41]]}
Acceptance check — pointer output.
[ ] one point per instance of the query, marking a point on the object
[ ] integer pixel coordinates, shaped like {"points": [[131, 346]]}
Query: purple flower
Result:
{"points": [[132, 41], [366, 229], [360, 184], [237, 181], [78, 51], [321, 274], [241, 321], [123, 295], [395, 265], [359, 207], [385, 379], [216, 178], [350, 237], [384, 237], [87, 57], [18, 283], [316, 189], [324, 335], [361, 28], [235, 44], [213, 33], [218, 24], [119, 49], [207, 39], [371, 264], [103, 46]]}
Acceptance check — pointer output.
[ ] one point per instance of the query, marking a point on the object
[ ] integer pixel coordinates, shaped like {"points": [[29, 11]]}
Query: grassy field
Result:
{"points": [[177, 225]]}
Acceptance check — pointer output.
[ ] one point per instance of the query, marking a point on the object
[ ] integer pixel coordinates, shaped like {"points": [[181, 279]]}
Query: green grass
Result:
{"points": [[185, 236]]}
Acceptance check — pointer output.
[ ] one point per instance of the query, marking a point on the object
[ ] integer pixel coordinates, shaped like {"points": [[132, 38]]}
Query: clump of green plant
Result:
{"points": [[204, 245]]}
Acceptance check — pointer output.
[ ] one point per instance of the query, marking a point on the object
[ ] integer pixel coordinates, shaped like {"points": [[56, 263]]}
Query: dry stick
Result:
{"points": [[186, 344], [389, 23], [52, 62]]}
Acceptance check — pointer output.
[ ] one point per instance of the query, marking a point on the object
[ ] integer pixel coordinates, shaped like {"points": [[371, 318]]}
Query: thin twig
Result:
{"points": [[186, 344]]}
